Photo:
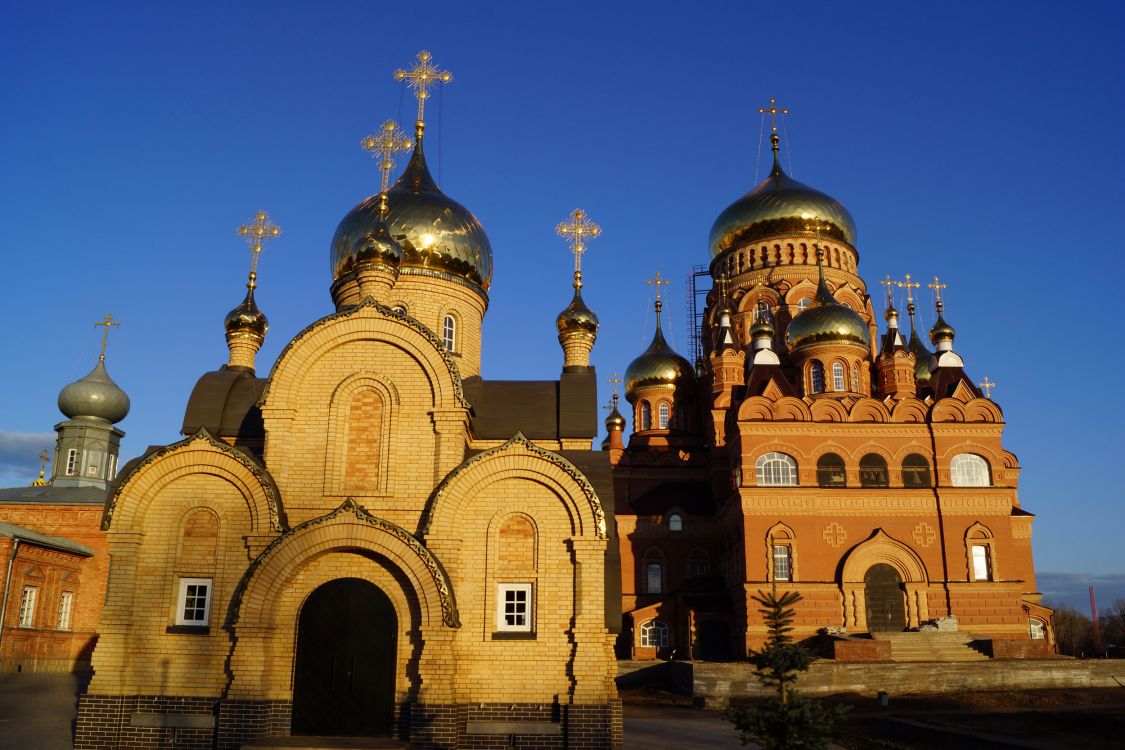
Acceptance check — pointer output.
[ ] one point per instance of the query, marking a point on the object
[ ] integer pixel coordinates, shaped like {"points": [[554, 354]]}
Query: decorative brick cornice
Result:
{"points": [[387, 312], [269, 486], [519, 440], [449, 613]]}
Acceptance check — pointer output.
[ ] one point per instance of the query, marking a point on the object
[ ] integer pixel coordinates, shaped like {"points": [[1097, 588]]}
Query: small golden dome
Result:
{"points": [[247, 317], [941, 331], [779, 205], [615, 421], [827, 321], [435, 232], [657, 365], [377, 247], [577, 316]]}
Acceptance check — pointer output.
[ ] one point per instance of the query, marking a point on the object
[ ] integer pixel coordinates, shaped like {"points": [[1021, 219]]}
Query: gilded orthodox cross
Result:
{"points": [[987, 385], [937, 286], [383, 145], [888, 283], [107, 322], [773, 111], [658, 282], [256, 234], [909, 286], [614, 381], [421, 77], [44, 457], [575, 231]]}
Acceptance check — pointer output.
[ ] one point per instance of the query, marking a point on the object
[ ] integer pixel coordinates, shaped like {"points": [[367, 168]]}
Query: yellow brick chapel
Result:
{"points": [[370, 539]]}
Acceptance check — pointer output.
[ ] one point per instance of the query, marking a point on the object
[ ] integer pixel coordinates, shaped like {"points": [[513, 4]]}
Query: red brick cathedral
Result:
{"points": [[806, 449]]}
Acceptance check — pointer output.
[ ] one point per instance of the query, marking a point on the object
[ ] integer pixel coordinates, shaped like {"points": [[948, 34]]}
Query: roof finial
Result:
{"points": [[986, 384], [576, 230], [421, 77], [383, 145], [773, 111], [615, 381], [888, 283], [658, 282], [256, 234], [909, 286], [107, 322], [937, 287], [43, 458]]}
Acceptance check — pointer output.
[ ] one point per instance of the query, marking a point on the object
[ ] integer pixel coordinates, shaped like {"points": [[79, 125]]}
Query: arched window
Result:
{"points": [[915, 471], [776, 470], [1037, 629], [699, 564], [655, 634], [830, 471], [654, 578], [646, 415], [873, 471], [675, 522], [662, 413], [969, 470], [979, 548], [449, 333], [782, 562], [816, 377], [855, 378], [399, 309], [837, 377], [365, 441]]}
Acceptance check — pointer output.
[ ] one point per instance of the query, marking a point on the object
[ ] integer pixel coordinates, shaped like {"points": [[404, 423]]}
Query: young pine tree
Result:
{"points": [[786, 719]]}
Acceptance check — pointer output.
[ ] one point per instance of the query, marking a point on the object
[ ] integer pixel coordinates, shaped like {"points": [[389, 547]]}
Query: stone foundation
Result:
{"points": [[136, 722]]}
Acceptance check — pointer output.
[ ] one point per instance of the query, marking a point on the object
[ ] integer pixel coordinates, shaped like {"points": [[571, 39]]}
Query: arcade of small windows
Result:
{"points": [[873, 471], [775, 469], [818, 377], [665, 416]]}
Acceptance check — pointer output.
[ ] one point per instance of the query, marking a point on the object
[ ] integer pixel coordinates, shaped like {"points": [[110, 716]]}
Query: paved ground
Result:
{"points": [[37, 713], [37, 710]]}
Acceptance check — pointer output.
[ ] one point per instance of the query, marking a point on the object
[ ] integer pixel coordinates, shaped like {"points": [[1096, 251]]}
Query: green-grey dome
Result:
{"points": [[779, 205], [94, 396]]}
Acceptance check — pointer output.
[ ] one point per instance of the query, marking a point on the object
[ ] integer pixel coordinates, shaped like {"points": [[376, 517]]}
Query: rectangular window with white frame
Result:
{"points": [[66, 605], [27, 606], [193, 606], [982, 568], [782, 562], [513, 607], [72, 462]]}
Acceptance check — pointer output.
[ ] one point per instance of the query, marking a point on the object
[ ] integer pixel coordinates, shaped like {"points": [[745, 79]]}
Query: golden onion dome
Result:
{"points": [[941, 331], [577, 316], [614, 421], [779, 205], [827, 321], [247, 317], [658, 365], [377, 248], [436, 233]]}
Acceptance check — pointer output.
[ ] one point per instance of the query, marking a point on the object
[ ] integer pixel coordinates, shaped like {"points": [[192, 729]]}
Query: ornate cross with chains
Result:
{"points": [[576, 230], [937, 286], [106, 322], [383, 145], [987, 385], [421, 77], [909, 286], [773, 111], [888, 283], [256, 234], [658, 282]]}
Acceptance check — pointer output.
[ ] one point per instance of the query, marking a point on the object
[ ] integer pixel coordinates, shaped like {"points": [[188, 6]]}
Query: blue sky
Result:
{"points": [[976, 141]]}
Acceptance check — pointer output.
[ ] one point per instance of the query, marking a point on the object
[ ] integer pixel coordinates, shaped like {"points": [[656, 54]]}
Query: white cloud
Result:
{"points": [[19, 455]]}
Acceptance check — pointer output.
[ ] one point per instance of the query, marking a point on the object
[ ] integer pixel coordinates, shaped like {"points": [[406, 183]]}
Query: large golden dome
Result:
{"points": [[658, 365], [436, 233], [827, 321], [779, 205]]}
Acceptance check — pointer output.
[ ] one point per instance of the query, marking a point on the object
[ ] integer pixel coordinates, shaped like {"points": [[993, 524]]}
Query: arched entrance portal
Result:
{"points": [[344, 682], [886, 609]]}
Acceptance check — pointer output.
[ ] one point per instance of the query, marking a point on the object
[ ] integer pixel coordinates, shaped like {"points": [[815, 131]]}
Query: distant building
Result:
{"points": [[806, 451]]}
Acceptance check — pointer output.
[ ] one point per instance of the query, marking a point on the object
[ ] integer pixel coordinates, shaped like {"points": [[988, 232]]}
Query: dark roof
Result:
{"points": [[50, 494], [759, 376], [540, 409], [225, 402], [944, 380], [44, 540], [693, 497]]}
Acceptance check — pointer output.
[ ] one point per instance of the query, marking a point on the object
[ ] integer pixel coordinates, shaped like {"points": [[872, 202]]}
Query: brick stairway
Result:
{"points": [[931, 646]]}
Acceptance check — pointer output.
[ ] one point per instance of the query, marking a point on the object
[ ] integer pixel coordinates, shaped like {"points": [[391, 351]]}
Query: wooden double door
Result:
{"points": [[344, 681], [886, 604]]}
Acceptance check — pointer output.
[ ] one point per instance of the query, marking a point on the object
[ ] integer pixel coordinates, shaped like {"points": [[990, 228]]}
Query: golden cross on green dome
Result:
{"points": [[576, 230], [383, 145], [256, 234], [421, 77], [106, 322], [773, 111], [987, 385]]}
